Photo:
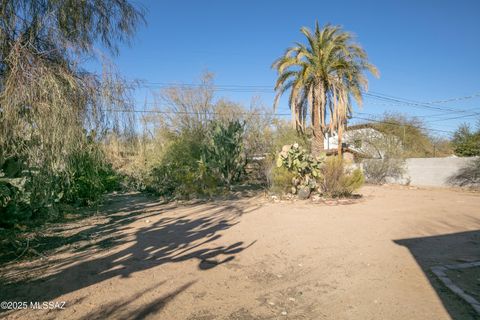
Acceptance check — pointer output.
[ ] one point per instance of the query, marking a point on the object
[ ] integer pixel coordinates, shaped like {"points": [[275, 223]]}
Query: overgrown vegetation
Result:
{"points": [[468, 176], [412, 136], [48, 103], [338, 180], [377, 171], [466, 142], [386, 143], [298, 172], [194, 164]]}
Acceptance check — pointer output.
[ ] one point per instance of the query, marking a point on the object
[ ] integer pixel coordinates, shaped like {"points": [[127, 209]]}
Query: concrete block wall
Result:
{"points": [[433, 172]]}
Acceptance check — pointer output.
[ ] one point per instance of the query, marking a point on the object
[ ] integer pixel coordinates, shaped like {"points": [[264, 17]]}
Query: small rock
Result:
{"points": [[284, 313], [271, 303], [147, 221], [303, 193], [291, 299]]}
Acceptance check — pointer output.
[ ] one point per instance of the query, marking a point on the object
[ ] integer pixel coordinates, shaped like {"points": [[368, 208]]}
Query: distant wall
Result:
{"points": [[433, 172]]}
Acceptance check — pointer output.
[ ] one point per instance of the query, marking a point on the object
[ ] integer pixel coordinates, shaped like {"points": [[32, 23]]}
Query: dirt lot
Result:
{"points": [[255, 259]]}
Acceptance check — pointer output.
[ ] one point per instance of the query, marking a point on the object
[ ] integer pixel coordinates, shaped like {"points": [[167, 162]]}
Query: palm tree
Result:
{"points": [[323, 76]]}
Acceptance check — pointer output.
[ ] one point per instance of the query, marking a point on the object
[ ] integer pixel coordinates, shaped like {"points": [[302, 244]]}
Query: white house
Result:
{"points": [[357, 140]]}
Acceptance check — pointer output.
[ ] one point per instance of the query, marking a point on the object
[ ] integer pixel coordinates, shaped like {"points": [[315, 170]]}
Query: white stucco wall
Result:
{"points": [[432, 172]]}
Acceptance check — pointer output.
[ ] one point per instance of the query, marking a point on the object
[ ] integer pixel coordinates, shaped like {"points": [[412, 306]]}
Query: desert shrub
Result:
{"points": [[466, 142], [48, 100], [304, 167], [412, 138], [337, 180], [26, 192], [89, 176], [197, 163], [29, 192], [14, 198], [468, 176], [279, 134], [284, 134], [280, 180], [223, 155], [378, 170], [175, 174]]}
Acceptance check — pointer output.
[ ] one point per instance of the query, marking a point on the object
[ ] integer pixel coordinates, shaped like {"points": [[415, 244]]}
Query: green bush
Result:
{"points": [[28, 193], [14, 201], [337, 181], [466, 142], [89, 175], [174, 175], [284, 134], [223, 156], [468, 175], [200, 163], [280, 180], [378, 170]]}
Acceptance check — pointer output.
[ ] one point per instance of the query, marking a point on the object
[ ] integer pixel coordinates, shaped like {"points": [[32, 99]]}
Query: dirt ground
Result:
{"points": [[256, 259]]}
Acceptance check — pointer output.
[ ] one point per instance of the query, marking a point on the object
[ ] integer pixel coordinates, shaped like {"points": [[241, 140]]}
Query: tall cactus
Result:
{"points": [[224, 152]]}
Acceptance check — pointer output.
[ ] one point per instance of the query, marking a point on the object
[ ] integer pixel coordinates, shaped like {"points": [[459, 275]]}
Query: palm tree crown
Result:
{"points": [[323, 76]]}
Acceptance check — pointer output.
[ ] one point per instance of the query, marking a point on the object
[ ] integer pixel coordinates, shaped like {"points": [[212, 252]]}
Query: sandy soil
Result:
{"points": [[254, 259]]}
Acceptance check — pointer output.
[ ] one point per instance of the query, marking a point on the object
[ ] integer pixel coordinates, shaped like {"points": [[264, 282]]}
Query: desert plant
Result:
{"points": [[466, 142], [223, 155], [339, 181], [47, 99], [378, 170], [411, 138], [176, 173], [14, 197], [468, 175], [89, 175], [280, 180], [306, 169], [200, 163]]}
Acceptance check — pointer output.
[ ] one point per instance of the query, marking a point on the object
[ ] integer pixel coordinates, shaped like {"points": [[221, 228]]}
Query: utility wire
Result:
{"points": [[272, 114], [399, 124], [268, 89]]}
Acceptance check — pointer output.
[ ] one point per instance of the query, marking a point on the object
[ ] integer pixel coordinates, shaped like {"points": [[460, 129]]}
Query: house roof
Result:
{"points": [[345, 149], [361, 126]]}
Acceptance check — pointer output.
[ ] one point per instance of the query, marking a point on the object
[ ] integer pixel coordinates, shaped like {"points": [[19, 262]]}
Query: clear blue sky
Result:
{"points": [[425, 50]]}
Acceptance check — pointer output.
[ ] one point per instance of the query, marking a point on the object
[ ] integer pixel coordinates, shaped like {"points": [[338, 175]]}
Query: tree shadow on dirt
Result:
{"points": [[86, 224], [189, 234], [126, 308], [446, 249]]}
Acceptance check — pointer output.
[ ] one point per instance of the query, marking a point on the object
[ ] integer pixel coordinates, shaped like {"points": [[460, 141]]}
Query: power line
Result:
{"points": [[452, 118], [173, 84], [473, 96], [417, 104], [269, 89], [272, 114], [192, 113], [401, 125]]}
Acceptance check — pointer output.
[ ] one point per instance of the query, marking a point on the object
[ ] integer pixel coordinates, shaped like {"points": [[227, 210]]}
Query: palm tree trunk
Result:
{"points": [[317, 142], [340, 141], [318, 136]]}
